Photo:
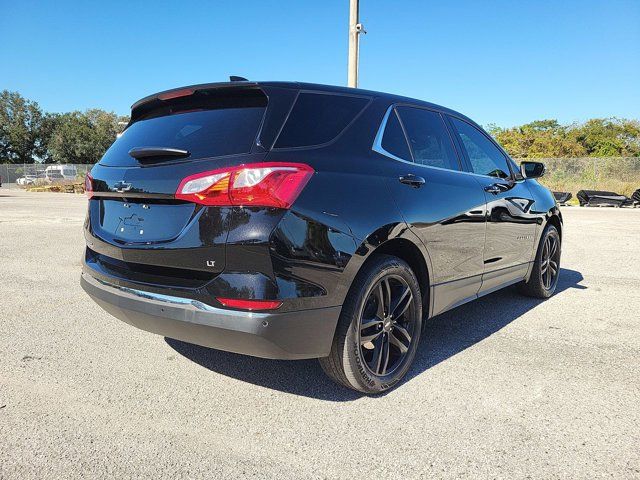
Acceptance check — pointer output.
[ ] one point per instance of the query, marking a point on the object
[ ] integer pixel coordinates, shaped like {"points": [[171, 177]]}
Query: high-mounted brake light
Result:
{"points": [[88, 185], [272, 184], [250, 304], [185, 92]]}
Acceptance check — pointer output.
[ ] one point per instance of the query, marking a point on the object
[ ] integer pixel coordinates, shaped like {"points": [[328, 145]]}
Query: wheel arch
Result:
{"points": [[555, 219], [407, 249], [410, 253]]}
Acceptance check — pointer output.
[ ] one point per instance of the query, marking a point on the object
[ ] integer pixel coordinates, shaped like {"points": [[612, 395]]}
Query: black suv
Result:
{"points": [[289, 220]]}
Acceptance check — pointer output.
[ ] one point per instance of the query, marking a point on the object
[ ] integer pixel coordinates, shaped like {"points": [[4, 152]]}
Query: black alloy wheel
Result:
{"points": [[379, 329], [545, 271], [386, 330], [549, 265]]}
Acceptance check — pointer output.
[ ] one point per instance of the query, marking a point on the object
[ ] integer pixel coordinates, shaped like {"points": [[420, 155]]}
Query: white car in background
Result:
{"points": [[28, 179], [61, 172]]}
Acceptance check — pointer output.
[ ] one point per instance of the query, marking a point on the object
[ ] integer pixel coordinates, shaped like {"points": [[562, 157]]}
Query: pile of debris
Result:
{"points": [[66, 187]]}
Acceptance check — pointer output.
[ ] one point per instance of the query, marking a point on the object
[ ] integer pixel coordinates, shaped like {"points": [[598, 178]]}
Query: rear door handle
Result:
{"points": [[412, 180], [496, 188]]}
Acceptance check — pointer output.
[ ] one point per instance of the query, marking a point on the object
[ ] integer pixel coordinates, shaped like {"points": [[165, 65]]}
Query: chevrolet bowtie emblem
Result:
{"points": [[121, 186]]}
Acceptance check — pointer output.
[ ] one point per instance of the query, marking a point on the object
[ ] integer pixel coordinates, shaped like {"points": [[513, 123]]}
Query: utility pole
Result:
{"points": [[355, 29]]}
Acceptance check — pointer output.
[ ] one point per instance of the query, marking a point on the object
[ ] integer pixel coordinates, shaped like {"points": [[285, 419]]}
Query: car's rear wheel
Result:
{"points": [[379, 327], [546, 269]]}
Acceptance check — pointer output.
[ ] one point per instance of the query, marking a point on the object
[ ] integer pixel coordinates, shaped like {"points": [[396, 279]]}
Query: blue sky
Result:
{"points": [[503, 62]]}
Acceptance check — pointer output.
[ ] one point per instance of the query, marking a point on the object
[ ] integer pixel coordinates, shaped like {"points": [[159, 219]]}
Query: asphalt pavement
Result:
{"points": [[504, 387]]}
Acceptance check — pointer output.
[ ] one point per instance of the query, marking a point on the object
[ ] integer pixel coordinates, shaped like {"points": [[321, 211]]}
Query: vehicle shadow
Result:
{"points": [[445, 336]]}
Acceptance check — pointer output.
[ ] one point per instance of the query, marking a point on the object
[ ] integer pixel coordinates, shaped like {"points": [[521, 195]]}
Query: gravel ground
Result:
{"points": [[504, 387]]}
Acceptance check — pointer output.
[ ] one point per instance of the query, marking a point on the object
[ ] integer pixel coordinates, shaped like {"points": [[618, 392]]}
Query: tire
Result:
{"points": [[539, 285], [363, 341]]}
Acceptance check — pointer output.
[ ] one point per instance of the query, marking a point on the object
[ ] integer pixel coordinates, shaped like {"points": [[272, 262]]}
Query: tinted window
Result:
{"points": [[485, 157], [428, 138], [393, 140], [280, 102], [206, 133], [318, 118]]}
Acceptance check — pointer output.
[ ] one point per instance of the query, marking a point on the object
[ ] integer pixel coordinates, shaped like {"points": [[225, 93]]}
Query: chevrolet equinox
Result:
{"points": [[288, 220]]}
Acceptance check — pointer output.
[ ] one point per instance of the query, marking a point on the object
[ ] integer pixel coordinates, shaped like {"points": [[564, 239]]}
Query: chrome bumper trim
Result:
{"points": [[187, 302]]}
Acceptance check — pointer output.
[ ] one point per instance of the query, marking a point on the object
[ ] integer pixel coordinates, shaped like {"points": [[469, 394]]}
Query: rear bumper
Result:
{"points": [[290, 335]]}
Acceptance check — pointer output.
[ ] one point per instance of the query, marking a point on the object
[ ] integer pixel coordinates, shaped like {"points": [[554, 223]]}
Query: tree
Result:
{"points": [[83, 137], [48, 127], [610, 137], [21, 128], [539, 139], [600, 137]]}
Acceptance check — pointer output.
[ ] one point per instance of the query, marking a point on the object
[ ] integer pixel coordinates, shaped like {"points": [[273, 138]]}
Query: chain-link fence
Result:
{"points": [[30, 173], [617, 174]]}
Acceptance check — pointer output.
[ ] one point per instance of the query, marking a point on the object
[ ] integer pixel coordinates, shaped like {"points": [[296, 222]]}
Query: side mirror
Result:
{"points": [[532, 169]]}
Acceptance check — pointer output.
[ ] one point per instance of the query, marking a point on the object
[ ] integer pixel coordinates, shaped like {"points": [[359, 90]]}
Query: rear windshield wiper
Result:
{"points": [[148, 152]]}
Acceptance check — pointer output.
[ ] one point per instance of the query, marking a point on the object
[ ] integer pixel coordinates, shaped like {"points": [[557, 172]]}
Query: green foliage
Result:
{"points": [[21, 123], [29, 135], [599, 137], [610, 137], [83, 137]]}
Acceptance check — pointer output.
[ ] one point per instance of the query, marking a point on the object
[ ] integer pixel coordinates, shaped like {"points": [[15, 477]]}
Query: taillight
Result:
{"points": [[258, 185], [250, 304], [88, 185]]}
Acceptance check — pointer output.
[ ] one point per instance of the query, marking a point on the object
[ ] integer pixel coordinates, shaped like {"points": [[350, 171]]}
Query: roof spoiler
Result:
{"points": [[194, 88], [152, 101]]}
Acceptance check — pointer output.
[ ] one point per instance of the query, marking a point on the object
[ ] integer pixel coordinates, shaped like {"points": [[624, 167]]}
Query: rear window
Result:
{"points": [[318, 118], [205, 132]]}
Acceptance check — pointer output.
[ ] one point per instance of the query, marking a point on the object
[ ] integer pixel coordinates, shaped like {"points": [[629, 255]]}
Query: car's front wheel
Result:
{"points": [[546, 268], [379, 327]]}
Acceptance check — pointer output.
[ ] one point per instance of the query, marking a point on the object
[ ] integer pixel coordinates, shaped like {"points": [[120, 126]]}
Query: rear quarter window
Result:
{"points": [[394, 140], [318, 118]]}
